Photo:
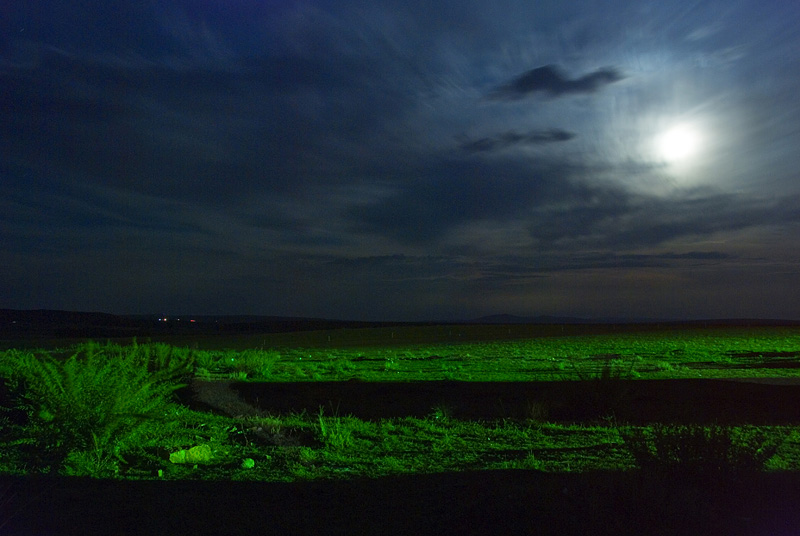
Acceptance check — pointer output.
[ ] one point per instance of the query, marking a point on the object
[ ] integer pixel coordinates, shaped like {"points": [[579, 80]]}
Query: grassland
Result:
{"points": [[484, 355], [327, 443], [200, 409]]}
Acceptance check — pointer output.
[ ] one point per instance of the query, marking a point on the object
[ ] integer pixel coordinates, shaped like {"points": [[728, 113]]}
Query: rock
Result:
{"points": [[198, 454]]}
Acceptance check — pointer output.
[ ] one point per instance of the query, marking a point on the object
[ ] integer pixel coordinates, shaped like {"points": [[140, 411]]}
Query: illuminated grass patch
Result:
{"points": [[108, 410]]}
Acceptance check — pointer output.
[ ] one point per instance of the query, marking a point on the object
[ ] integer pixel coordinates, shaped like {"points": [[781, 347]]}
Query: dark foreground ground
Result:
{"points": [[485, 503]]}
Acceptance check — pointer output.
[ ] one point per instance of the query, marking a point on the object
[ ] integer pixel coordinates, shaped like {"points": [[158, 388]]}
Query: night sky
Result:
{"points": [[401, 160]]}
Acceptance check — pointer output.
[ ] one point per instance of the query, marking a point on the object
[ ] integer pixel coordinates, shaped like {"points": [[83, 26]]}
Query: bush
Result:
{"points": [[84, 411], [694, 450]]}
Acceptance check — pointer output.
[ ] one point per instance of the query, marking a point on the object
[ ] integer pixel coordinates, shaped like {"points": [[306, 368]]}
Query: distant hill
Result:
{"points": [[15, 323], [43, 323], [544, 319]]}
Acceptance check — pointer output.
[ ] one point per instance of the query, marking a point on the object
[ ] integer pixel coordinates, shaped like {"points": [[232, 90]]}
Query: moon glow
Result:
{"points": [[679, 143]]}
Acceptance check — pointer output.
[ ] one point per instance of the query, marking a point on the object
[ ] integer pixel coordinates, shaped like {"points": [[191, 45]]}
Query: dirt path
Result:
{"points": [[738, 401]]}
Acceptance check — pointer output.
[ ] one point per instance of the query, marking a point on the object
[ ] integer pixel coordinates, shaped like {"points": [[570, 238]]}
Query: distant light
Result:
{"points": [[192, 320]]}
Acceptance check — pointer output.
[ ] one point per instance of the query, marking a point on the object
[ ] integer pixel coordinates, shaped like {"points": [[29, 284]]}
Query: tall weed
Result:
{"points": [[605, 378], [334, 431]]}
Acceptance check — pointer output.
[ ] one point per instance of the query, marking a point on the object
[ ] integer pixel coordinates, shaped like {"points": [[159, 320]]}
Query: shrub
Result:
{"points": [[82, 410], [695, 450], [97, 463], [163, 359]]}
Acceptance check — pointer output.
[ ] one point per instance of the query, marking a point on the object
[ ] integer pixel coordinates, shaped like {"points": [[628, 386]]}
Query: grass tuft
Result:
{"points": [[334, 431]]}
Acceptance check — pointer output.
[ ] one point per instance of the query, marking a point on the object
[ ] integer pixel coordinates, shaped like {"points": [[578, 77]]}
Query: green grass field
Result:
{"points": [[491, 353], [109, 410], [496, 353]]}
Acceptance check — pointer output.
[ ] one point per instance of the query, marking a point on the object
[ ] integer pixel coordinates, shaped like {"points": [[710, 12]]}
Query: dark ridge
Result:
{"points": [[48, 316], [18, 324], [513, 319], [710, 322], [43, 323], [51, 323]]}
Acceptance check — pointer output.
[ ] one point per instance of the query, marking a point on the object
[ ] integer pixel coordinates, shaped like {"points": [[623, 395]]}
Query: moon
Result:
{"points": [[679, 143]]}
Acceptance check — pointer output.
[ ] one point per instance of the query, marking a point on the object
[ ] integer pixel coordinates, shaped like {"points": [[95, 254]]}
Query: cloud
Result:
{"points": [[443, 193], [549, 79], [613, 218], [309, 152], [507, 139]]}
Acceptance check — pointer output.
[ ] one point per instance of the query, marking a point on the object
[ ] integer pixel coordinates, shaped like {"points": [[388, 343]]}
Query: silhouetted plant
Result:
{"points": [[613, 368], [606, 385], [701, 450], [536, 411]]}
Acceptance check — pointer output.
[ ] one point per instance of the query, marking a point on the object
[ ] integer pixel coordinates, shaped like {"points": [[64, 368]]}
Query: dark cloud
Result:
{"points": [[510, 270], [549, 79], [445, 193], [558, 205], [205, 132], [610, 260], [614, 218], [511, 138]]}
